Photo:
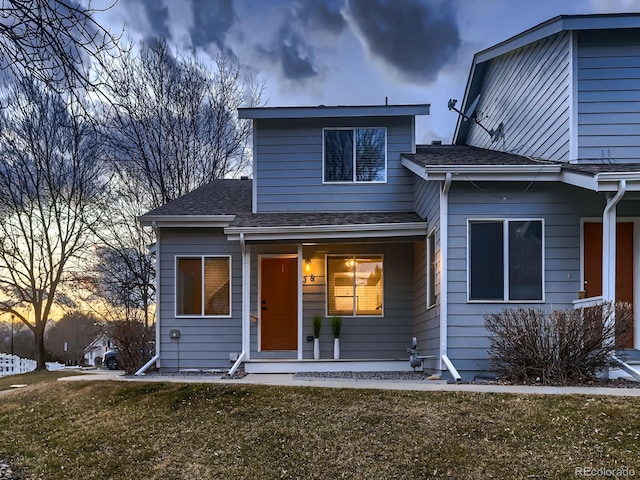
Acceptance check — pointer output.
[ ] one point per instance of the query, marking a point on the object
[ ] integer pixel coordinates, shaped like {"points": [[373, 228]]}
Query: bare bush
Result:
{"points": [[134, 343], [566, 345]]}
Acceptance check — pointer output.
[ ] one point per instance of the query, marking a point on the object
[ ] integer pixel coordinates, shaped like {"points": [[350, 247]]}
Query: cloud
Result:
{"points": [[293, 47], [416, 38], [319, 15], [211, 22], [157, 14]]}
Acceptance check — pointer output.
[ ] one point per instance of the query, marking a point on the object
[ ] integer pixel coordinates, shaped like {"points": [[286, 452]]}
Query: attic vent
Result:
{"points": [[436, 142], [244, 177]]}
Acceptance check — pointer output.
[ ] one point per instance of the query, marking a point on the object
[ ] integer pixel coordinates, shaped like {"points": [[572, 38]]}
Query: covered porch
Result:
{"points": [[340, 265]]}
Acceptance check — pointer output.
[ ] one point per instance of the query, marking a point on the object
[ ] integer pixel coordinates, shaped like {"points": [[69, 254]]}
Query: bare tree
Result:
{"points": [[57, 42], [67, 338], [172, 123], [51, 178], [170, 127], [121, 276]]}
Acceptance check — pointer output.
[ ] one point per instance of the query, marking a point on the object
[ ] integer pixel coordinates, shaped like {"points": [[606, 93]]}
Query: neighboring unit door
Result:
{"points": [[624, 268], [279, 304]]}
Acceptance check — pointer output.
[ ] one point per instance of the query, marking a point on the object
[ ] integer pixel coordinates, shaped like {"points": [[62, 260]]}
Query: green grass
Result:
{"points": [[33, 378], [118, 430]]}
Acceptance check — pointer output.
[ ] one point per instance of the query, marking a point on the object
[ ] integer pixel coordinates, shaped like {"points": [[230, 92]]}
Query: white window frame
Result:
{"points": [[505, 243], [353, 180], [202, 306], [432, 269], [355, 257]]}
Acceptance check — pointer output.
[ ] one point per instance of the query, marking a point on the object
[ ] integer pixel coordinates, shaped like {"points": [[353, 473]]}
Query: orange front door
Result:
{"points": [[624, 268], [279, 304]]}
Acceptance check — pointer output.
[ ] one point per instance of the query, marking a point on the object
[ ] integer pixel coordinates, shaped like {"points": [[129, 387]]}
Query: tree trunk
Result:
{"points": [[40, 351]]}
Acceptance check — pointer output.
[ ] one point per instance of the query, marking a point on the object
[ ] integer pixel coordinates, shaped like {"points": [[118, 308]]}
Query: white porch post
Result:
{"points": [[300, 309], [609, 252], [246, 300]]}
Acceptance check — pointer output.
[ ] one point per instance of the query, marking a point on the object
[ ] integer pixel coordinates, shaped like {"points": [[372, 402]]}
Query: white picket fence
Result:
{"points": [[13, 364]]}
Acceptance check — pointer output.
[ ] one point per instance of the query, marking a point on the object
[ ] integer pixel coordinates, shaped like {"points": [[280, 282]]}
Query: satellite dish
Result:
{"points": [[471, 109]]}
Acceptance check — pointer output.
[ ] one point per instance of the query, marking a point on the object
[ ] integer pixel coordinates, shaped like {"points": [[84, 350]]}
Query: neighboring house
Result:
{"points": [[94, 353], [540, 182], [344, 215]]}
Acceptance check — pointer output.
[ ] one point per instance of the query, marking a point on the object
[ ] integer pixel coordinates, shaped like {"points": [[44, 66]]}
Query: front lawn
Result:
{"points": [[118, 430]]}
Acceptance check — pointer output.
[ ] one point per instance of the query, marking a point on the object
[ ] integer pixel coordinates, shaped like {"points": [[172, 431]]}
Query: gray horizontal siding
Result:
{"points": [[609, 96], [561, 208], [204, 342], [427, 320], [528, 91], [288, 168], [364, 337]]}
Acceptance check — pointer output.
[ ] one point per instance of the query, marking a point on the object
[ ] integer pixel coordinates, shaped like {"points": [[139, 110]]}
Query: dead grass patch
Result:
{"points": [[97, 430], [33, 378]]}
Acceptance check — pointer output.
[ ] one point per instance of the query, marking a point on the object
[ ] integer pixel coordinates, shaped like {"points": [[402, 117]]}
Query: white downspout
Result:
{"points": [[444, 249], [609, 225], [609, 236], [156, 357]]}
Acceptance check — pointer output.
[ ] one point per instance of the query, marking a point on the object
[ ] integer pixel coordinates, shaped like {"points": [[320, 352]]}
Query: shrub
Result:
{"points": [[134, 343], [566, 345]]}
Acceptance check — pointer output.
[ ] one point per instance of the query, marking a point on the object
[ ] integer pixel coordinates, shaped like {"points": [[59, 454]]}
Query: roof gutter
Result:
{"points": [[303, 232], [186, 220]]}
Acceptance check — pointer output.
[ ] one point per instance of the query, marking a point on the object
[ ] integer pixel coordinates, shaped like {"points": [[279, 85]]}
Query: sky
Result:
{"points": [[348, 52]]}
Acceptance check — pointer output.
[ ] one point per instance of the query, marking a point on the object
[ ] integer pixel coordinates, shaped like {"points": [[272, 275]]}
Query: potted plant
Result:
{"points": [[336, 325], [317, 324]]}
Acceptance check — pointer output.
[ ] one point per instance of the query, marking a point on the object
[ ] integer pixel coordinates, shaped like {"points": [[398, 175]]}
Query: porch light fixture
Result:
{"points": [[307, 269]]}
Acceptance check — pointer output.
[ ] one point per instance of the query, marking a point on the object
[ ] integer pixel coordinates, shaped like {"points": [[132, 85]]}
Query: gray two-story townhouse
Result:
{"points": [[535, 204], [326, 226]]}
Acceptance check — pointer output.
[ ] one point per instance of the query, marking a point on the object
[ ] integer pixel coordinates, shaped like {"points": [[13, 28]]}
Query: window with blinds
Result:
{"points": [[355, 155], [203, 286], [354, 285]]}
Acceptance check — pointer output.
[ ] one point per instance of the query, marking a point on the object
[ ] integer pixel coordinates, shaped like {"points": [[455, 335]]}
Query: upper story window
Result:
{"points": [[203, 286], [355, 155], [506, 260]]}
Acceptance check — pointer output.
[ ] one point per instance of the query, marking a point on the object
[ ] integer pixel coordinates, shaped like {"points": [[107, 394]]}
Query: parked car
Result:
{"points": [[111, 360]]}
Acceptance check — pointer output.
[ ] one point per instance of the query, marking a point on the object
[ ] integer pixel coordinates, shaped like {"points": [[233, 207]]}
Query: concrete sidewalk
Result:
{"points": [[412, 385]]}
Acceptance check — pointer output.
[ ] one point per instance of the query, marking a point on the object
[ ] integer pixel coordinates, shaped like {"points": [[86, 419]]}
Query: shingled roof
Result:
{"points": [[234, 198], [218, 197], [427, 155]]}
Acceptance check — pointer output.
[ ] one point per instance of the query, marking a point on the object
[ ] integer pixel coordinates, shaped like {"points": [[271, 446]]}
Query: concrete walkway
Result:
{"points": [[414, 385]]}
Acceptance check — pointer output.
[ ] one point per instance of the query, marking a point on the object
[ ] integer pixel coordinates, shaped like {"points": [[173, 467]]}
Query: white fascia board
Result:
{"points": [[185, 220], [308, 232], [556, 25], [604, 181], [413, 167], [580, 180], [488, 173], [334, 111]]}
